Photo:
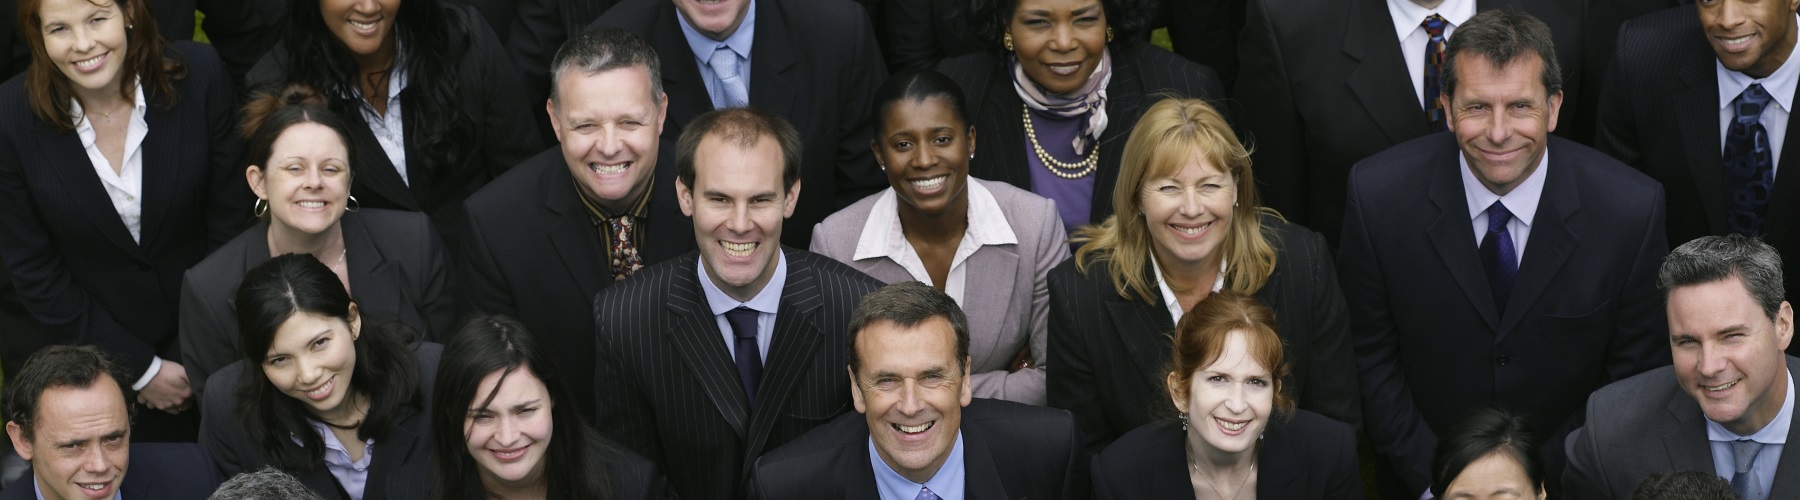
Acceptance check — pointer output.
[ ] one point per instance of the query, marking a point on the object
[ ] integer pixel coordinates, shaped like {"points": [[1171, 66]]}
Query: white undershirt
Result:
{"points": [[1169, 300]]}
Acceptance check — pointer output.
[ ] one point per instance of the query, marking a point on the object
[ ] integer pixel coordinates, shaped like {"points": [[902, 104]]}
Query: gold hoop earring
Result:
{"points": [[260, 208], [1006, 40], [353, 205], [1109, 34]]}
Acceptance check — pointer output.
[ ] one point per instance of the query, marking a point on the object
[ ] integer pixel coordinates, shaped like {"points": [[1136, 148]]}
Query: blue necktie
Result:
{"points": [[748, 357], [1498, 255], [1434, 59], [724, 64], [925, 494], [1749, 163], [1743, 479]]}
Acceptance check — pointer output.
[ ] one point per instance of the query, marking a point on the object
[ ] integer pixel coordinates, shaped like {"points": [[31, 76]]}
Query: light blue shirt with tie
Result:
{"points": [[766, 302], [947, 483], [739, 43], [1772, 436]]}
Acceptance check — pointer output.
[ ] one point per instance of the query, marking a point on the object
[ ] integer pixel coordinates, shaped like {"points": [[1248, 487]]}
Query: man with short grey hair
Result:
{"points": [[266, 484]]}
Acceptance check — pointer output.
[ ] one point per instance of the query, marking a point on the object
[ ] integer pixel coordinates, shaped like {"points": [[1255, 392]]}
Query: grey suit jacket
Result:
{"points": [[1646, 424], [1003, 319]]}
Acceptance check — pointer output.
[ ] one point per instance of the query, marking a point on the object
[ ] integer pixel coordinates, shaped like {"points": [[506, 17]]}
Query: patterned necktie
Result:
{"points": [[1434, 59], [724, 64], [747, 355], [1498, 256], [1744, 480], [925, 494], [624, 254], [1749, 163]]}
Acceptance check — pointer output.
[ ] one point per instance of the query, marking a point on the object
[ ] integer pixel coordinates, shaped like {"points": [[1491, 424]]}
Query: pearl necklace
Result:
{"points": [[1062, 169]]}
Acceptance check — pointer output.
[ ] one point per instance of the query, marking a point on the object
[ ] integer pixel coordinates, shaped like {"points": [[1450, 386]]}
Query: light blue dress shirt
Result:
{"points": [[1522, 201], [947, 484], [703, 47], [766, 302], [1772, 436]]}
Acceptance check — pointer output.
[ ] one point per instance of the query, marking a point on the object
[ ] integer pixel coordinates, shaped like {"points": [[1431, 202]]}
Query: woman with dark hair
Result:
{"points": [[1060, 85], [117, 170], [432, 105], [1237, 434], [501, 431], [319, 387], [301, 174], [987, 244], [1491, 454]]}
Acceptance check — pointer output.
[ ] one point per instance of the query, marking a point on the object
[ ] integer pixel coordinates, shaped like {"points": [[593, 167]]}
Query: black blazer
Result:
{"points": [[401, 465], [538, 29], [813, 62], [1430, 345], [667, 387], [74, 265], [922, 32], [1661, 115], [487, 92], [1323, 84], [163, 471], [1010, 450], [533, 253], [1310, 457], [1108, 352], [1142, 75], [399, 269]]}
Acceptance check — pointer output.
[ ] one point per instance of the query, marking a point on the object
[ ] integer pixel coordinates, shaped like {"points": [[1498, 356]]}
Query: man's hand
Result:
{"points": [[168, 390]]}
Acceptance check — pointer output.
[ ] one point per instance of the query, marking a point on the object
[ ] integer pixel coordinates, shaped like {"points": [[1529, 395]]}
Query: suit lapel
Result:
{"points": [[702, 346], [1550, 244], [856, 472], [377, 174], [392, 454], [1279, 472], [1452, 234], [374, 279], [82, 183], [1787, 470], [1381, 82], [161, 173], [790, 352], [1784, 201], [1685, 441], [1004, 147], [771, 58], [1697, 116], [1143, 327], [574, 236], [991, 269], [681, 72], [981, 478]]}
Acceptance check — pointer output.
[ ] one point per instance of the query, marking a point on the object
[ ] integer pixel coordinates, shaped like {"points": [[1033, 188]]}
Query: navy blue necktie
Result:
{"points": [[748, 357], [1434, 60], [1498, 255], [1749, 163]]}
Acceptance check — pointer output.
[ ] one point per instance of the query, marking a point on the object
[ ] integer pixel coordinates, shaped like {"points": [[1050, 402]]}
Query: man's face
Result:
{"points": [[738, 205], [1728, 354], [911, 391], [1502, 118], [1749, 36], [81, 442], [608, 123], [717, 19]]}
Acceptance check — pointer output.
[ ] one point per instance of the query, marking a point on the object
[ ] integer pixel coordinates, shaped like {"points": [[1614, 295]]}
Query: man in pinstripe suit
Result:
{"points": [[708, 360]]}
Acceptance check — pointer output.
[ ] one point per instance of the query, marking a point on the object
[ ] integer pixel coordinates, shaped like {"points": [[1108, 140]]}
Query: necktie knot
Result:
{"points": [[724, 62], [1749, 105], [925, 494], [1498, 216], [1434, 25], [743, 322]]}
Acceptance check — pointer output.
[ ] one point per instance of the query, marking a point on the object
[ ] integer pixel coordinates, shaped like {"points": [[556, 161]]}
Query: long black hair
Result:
{"points": [[487, 344], [385, 370], [1489, 430]]}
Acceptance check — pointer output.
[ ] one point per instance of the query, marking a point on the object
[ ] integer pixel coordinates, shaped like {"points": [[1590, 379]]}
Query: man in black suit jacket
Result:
{"points": [[1667, 100], [1727, 327], [68, 415], [1498, 264], [541, 240], [1324, 84], [812, 62], [918, 426], [706, 361]]}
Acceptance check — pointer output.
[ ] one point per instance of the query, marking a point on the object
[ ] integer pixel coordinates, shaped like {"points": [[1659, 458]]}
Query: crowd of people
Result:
{"points": [[1322, 249]]}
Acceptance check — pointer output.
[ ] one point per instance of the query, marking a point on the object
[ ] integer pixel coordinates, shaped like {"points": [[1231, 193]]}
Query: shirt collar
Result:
{"points": [[638, 210], [1775, 432], [739, 41], [882, 236], [1408, 15], [947, 483], [767, 300], [335, 450], [138, 108], [1522, 201], [1169, 300], [120, 495], [1780, 84]]}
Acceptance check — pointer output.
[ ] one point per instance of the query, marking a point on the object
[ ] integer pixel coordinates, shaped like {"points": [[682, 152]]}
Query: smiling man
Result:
{"points": [[1726, 407], [918, 432], [1496, 264], [69, 417]]}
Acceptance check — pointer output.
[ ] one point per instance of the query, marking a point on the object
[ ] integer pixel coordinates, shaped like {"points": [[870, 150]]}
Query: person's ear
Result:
{"points": [[1784, 325], [856, 394], [21, 444], [555, 121], [355, 322], [684, 197], [253, 175], [1177, 394], [968, 384], [793, 200]]}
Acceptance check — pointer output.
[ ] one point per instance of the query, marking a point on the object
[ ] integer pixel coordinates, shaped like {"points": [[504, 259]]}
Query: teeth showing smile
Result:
{"points": [[738, 249], [92, 487], [1231, 426], [1191, 231], [508, 454], [1738, 40], [1064, 69], [609, 169], [1723, 386], [90, 63], [362, 26], [312, 204], [929, 184], [916, 428], [323, 391]]}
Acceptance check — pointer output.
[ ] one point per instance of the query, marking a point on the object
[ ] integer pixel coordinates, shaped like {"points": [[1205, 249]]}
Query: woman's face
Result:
{"points": [[1228, 402], [85, 40], [508, 436], [306, 179], [1493, 476], [312, 358], [925, 150], [1188, 213], [366, 27], [1059, 42]]}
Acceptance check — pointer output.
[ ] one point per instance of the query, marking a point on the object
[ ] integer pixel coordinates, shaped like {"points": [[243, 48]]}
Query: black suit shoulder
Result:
{"points": [[1646, 43], [1308, 457], [513, 193]]}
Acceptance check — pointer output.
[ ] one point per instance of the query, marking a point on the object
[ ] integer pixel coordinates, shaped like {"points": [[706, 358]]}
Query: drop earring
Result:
{"points": [[1006, 40], [1109, 34], [1184, 420]]}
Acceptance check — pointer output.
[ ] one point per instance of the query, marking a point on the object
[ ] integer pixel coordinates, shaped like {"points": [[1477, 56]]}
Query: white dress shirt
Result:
{"points": [[766, 302], [882, 237], [389, 129], [1409, 19], [126, 187], [1780, 85], [1169, 300], [1772, 436], [1522, 201]]}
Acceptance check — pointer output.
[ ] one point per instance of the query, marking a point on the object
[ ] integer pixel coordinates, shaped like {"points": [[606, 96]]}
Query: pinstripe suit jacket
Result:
{"points": [[1006, 294], [666, 386]]}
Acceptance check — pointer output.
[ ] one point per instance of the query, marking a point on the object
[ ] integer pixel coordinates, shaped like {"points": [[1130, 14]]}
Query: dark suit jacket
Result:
{"points": [[813, 62], [538, 29], [1010, 450], [162, 471], [503, 131], [1142, 75], [401, 465], [1431, 347], [1661, 115], [533, 253], [922, 32], [667, 387], [1310, 457], [1109, 352], [1323, 84], [397, 268], [241, 30], [1645, 425], [74, 265]]}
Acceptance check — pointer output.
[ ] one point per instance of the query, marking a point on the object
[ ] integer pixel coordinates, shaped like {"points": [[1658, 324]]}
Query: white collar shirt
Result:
{"points": [[126, 186], [1780, 85], [1409, 18], [882, 237], [389, 129], [1170, 302]]}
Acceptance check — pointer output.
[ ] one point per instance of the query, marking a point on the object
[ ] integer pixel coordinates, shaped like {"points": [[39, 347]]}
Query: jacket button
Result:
{"points": [[1502, 360]]}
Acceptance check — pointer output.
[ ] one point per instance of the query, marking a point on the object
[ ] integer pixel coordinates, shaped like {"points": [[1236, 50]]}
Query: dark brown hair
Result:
{"points": [[48, 90]]}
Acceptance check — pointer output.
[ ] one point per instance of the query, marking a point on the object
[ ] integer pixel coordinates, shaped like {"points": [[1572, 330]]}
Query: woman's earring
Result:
{"points": [[1007, 41], [260, 208], [353, 205], [1109, 34], [1184, 421], [883, 167]]}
